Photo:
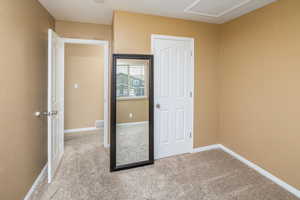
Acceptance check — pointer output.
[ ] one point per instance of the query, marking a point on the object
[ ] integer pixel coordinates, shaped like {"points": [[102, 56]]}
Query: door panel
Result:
{"points": [[180, 125], [55, 102], [173, 89], [164, 128], [164, 78]]}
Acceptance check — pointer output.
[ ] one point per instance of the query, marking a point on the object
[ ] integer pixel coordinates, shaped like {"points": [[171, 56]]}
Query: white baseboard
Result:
{"points": [[262, 171], [250, 164], [132, 123], [206, 148], [81, 130], [39, 179]]}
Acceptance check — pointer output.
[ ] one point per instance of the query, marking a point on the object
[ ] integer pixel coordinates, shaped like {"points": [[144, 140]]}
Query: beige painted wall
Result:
{"points": [[84, 65], [23, 78], [259, 80], [84, 30], [132, 34], [139, 109]]}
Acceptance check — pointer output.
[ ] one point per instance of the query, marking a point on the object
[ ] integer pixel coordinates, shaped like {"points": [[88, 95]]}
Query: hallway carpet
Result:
{"points": [[211, 175]]}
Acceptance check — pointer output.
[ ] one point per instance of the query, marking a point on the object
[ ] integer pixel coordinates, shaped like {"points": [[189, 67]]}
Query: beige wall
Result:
{"points": [[132, 34], [139, 109], [84, 65], [260, 81], [23, 78], [84, 30]]}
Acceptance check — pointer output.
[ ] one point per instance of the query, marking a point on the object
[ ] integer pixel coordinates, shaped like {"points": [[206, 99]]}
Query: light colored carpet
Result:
{"points": [[132, 144], [212, 175]]}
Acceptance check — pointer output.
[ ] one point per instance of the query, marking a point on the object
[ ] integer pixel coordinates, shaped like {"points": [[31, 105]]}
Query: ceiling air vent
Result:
{"points": [[215, 8]]}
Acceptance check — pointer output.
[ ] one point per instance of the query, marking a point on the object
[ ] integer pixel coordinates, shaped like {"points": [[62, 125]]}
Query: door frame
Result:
{"points": [[105, 44], [192, 89]]}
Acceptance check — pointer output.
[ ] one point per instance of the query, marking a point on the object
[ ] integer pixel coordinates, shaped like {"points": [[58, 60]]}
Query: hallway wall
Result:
{"points": [[84, 65], [23, 78]]}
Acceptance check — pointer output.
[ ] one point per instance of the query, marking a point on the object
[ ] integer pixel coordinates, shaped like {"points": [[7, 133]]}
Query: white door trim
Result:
{"points": [[192, 41], [105, 44]]}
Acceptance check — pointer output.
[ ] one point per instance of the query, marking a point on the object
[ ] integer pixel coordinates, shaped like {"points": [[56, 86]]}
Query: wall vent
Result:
{"points": [[99, 124]]}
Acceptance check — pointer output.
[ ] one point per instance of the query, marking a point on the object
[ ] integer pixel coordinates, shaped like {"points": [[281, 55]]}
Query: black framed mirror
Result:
{"points": [[131, 133]]}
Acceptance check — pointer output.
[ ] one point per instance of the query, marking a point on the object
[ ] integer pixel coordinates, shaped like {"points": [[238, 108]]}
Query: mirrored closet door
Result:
{"points": [[131, 112]]}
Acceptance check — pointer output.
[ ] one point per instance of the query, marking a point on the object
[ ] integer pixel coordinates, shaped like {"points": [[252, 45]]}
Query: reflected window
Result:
{"points": [[131, 81]]}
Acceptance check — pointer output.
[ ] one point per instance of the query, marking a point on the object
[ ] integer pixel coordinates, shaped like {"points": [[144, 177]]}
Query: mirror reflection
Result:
{"points": [[132, 111]]}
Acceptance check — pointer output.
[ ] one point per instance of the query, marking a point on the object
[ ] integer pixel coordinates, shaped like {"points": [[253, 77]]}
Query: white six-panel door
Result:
{"points": [[55, 102], [173, 95]]}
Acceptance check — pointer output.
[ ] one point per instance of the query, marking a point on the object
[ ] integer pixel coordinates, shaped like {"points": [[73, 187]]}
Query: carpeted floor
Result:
{"points": [[211, 175]]}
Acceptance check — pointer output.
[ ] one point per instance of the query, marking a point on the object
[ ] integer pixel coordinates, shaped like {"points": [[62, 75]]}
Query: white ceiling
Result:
{"points": [[212, 11]]}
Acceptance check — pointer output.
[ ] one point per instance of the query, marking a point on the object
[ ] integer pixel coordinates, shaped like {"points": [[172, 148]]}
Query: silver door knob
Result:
{"points": [[41, 114], [38, 114], [158, 106], [45, 114]]}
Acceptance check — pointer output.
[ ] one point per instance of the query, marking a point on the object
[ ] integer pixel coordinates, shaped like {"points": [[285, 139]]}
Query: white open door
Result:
{"points": [[55, 102]]}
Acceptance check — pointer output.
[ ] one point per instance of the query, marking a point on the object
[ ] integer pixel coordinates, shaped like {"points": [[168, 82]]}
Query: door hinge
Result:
{"points": [[191, 94], [190, 135]]}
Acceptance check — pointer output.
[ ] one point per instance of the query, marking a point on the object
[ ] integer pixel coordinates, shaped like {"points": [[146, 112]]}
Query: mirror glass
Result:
{"points": [[132, 111]]}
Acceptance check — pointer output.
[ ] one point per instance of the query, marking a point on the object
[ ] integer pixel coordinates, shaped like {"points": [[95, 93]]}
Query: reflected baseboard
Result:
{"points": [[81, 130], [132, 123]]}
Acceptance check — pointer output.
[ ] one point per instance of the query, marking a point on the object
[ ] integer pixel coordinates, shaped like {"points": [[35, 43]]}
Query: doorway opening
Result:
{"points": [[86, 86]]}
